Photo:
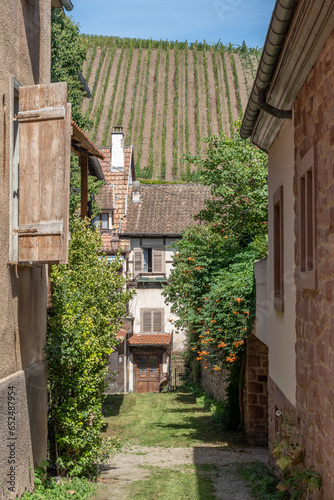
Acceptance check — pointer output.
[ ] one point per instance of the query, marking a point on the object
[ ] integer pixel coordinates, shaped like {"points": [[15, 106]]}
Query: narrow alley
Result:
{"points": [[171, 449]]}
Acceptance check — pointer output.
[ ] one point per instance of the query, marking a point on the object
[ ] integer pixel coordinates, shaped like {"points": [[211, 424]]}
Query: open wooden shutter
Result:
{"points": [[157, 320], [158, 258], [44, 169], [137, 261], [146, 320]]}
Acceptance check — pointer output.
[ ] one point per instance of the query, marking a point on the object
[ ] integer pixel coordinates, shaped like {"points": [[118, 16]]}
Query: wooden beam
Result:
{"points": [[83, 162]]}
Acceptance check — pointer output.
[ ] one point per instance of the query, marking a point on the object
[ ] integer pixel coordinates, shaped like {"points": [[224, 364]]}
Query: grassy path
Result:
{"points": [[171, 450]]}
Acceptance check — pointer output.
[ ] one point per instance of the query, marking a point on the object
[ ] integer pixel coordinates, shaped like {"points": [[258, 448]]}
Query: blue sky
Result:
{"points": [[228, 20]]}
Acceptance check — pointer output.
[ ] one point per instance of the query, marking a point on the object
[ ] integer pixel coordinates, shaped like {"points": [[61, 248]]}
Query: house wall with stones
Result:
{"points": [[314, 128], [25, 49]]}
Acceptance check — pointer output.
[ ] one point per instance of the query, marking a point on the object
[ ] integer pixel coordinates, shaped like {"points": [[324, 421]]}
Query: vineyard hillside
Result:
{"points": [[166, 96]]}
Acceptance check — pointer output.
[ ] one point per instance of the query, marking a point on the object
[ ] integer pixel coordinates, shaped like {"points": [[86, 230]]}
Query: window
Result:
{"points": [[152, 320], [148, 260], [278, 250], [306, 275], [103, 220]]}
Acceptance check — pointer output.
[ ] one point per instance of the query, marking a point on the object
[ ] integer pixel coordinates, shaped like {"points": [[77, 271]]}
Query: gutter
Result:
{"points": [[67, 4], [278, 29]]}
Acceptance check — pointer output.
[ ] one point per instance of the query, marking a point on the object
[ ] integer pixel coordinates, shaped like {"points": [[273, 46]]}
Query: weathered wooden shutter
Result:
{"points": [[158, 258], [137, 261], [44, 169], [146, 320], [157, 321]]}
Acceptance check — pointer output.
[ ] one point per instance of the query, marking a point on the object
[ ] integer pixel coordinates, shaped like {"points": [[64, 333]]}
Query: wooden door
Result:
{"points": [[147, 372]]}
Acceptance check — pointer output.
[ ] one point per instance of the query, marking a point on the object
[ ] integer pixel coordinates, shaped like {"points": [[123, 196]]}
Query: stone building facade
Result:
{"points": [[290, 115]]}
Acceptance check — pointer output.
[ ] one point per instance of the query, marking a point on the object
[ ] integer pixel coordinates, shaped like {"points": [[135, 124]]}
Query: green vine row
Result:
{"points": [[176, 110], [121, 111], [104, 89], [133, 104], [111, 105], [164, 122], [155, 98]]}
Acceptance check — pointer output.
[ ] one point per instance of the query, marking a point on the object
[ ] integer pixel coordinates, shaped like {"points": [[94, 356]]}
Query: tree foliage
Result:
{"points": [[89, 301], [68, 51], [211, 287], [236, 171]]}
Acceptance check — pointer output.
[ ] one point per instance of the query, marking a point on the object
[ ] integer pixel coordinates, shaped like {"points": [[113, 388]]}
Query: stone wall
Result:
{"points": [[256, 392], [277, 401], [314, 126], [214, 382]]}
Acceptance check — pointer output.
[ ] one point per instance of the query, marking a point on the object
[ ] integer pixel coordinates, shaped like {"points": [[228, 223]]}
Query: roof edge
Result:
{"points": [[278, 28]]}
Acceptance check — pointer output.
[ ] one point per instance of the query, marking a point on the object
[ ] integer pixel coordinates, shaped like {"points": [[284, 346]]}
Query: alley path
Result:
{"points": [[172, 450]]}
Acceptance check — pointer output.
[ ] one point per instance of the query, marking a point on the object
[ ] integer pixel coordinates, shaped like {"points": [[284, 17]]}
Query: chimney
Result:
{"points": [[117, 150], [136, 192]]}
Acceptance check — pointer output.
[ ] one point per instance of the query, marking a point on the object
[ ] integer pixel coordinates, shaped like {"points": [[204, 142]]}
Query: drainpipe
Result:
{"points": [[67, 4]]}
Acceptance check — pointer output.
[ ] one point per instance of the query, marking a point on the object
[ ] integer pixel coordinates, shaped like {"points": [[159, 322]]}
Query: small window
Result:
{"points": [[306, 276], [103, 220], [278, 250], [151, 320]]}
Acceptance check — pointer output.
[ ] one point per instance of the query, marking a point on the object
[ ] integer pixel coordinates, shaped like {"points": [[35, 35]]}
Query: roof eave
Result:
{"points": [[308, 29]]}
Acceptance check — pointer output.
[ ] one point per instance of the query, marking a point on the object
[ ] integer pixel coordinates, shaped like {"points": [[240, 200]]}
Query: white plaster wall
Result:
{"points": [[280, 335], [152, 298]]}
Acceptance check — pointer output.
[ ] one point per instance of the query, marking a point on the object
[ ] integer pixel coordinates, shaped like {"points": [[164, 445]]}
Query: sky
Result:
{"points": [[230, 21]]}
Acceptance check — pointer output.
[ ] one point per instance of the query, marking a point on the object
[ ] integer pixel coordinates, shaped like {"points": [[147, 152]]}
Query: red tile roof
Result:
{"points": [[150, 339]]}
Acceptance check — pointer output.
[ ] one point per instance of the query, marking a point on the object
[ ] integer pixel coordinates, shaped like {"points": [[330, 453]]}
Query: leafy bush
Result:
{"points": [[88, 303]]}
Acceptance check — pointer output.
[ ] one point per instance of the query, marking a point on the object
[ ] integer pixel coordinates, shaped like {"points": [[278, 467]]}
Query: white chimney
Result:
{"points": [[117, 149], [136, 192]]}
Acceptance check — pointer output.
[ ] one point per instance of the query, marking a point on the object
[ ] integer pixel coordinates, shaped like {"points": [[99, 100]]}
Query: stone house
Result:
{"points": [[290, 115], [144, 220], [36, 137]]}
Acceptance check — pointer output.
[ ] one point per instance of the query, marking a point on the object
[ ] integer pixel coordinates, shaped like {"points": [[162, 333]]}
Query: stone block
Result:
{"points": [[16, 454]]}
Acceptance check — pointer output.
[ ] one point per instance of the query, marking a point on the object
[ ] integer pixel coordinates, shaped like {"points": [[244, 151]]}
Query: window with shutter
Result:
{"points": [[157, 321], [40, 214], [158, 260], [147, 322], [137, 258], [152, 320]]}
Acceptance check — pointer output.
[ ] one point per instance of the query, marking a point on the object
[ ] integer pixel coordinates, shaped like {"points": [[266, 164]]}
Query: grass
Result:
{"points": [[170, 484], [167, 419], [74, 489], [263, 483]]}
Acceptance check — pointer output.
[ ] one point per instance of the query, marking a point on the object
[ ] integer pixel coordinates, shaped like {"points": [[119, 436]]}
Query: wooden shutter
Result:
{"points": [[158, 258], [137, 261], [157, 321], [44, 169], [146, 320]]}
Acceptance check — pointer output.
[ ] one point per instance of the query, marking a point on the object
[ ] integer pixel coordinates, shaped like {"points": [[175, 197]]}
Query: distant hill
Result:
{"points": [[166, 95]]}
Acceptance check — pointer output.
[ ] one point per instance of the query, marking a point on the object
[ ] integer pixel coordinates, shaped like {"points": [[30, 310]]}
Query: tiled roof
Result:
{"points": [[150, 339], [165, 208], [80, 141]]}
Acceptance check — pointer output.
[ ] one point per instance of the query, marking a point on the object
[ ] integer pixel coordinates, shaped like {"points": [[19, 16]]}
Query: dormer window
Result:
{"points": [[104, 220]]}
